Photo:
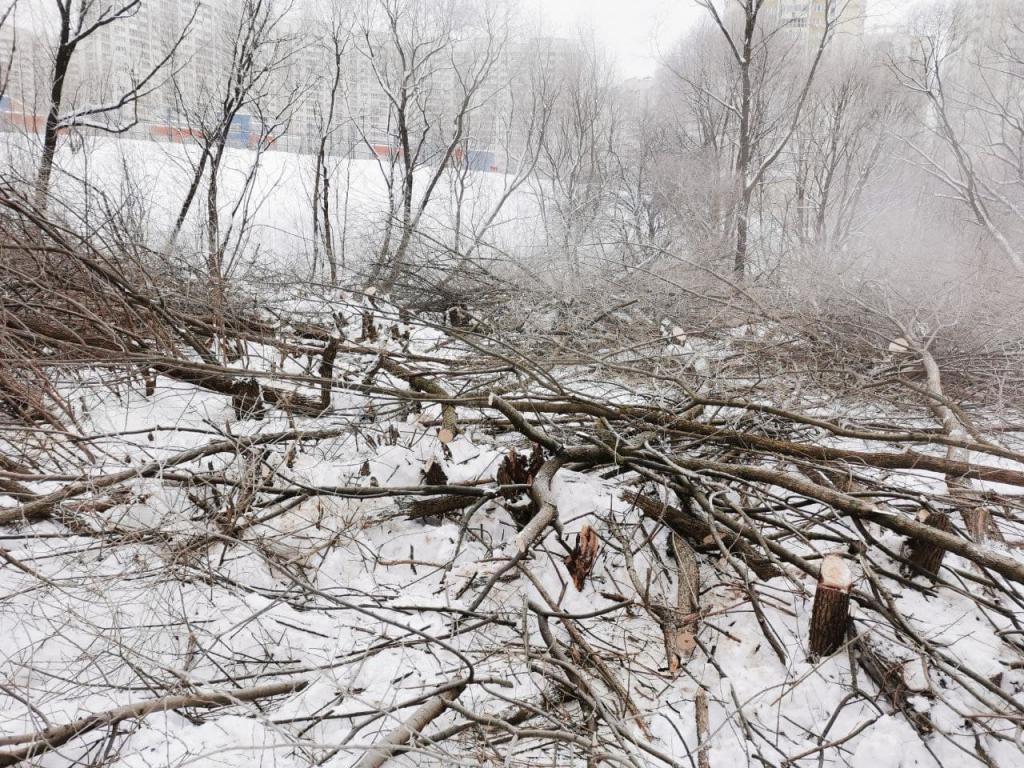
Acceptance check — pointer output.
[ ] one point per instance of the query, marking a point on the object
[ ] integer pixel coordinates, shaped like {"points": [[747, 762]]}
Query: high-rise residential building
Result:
{"points": [[112, 61], [812, 15], [25, 64], [998, 22], [118, 56]]}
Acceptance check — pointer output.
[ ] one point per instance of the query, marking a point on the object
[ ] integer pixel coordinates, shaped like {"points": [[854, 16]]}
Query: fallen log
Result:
{"points": [[436, 506]]}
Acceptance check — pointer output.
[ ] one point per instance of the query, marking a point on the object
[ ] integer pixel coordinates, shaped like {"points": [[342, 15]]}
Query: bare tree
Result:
{"points": [[517, 113], [331, 47], [7, 18], [971, 132], [641, 214], [846, 132], [247, 104], [578, 159], [753, 42], [77, 20], [431, 82], [695, 165]]}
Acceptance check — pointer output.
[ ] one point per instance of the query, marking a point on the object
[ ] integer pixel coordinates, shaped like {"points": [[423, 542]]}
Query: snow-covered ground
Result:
{"points": [[368, 611], [153, 179], [256, 565]]}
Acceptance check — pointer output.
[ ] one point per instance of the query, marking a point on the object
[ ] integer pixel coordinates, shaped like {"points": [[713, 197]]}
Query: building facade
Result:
{"points": [[118, 56], [813, 15]]}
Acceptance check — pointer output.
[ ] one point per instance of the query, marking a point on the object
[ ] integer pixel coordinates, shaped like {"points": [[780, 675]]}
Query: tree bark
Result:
{"points": [[62, 61], [50, 738]]}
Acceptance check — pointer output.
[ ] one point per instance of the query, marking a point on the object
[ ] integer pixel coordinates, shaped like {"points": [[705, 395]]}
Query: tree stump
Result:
{"points": [[368, 329], [830, 616], [248, 401], [923, 556], [433, 473], [520, 469]]}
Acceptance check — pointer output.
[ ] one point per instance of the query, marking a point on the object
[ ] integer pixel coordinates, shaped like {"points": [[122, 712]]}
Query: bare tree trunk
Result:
{"points": [[50, 132], [215, 254], [679, 627], [397, 259], [744, 149], [316, 208], [78, 20], [332, 257], [703, 728], [975, 516], [190, 195]]}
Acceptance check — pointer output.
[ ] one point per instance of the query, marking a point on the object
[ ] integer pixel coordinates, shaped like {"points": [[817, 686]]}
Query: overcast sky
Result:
{"points": [[633, 30]]}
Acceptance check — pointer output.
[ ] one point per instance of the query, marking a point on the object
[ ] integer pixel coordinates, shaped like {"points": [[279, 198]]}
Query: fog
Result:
{"points": [[511, 383]]}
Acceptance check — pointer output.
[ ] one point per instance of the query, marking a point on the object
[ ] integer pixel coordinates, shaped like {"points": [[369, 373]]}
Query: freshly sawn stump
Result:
{"points": [[830, 616]]}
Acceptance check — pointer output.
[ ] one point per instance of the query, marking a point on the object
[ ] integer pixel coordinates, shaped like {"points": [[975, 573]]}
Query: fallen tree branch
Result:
{"points": [[410, 728], [48, 739]]}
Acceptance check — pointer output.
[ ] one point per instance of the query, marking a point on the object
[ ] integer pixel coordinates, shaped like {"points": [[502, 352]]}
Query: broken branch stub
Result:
{"points": [[519, 469], [580, 561], [433, 473], [680, 629]]}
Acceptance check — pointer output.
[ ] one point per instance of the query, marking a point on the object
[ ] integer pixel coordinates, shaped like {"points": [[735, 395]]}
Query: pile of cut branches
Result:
{"points": [[864, 550]]}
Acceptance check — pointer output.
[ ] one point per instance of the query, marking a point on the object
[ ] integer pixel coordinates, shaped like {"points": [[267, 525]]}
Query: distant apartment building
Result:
{"points": [[494, 123], [521, 78], [989, 31], [999, 29], [119, 56], [812, 15], [24, 69]]}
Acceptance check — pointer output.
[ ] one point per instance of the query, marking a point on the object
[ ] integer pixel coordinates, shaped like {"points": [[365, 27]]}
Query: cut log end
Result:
{"points": [[899, 345], [836, 573]]}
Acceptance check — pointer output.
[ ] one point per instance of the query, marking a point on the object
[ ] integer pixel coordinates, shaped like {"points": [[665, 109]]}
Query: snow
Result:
{"points": [[352, 596], [155, 176], [893, 745], [115, 611]]}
